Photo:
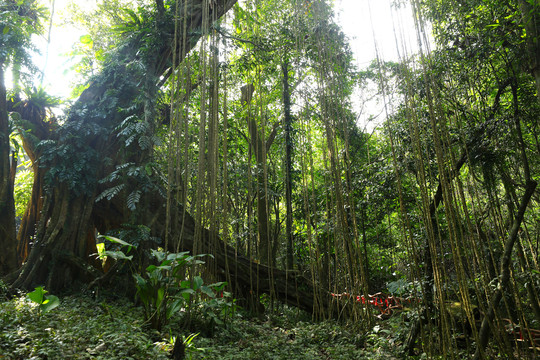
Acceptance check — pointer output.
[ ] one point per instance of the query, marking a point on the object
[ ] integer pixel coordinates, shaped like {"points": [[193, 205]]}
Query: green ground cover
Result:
{"points": [[83, 327]]}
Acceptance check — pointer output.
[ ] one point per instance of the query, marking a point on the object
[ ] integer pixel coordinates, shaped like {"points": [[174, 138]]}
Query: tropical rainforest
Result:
{"points": [[209, 190]]}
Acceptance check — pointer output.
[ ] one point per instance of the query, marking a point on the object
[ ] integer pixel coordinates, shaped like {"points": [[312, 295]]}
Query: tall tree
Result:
{"points": [[69, 213], [287, 125], [19, 21]]}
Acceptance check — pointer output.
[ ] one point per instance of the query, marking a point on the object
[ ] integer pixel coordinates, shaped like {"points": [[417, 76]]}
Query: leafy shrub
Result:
{"points": [[45, 302], [164, 290], [218, 307]]}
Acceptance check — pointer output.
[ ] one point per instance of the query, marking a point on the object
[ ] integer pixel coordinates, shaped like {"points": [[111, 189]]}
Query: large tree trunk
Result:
{"points": [[33, 117], [247, 279], [68, 212], [61, 233], [8, 252]]}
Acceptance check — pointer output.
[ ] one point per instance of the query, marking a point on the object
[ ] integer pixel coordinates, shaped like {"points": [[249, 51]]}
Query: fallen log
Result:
{"points": [[248, 279]]}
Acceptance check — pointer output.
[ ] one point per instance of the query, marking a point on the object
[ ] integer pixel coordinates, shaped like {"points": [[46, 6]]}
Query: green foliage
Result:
{"points": [[117, 255], [136, 130], [79, 329], [39, 98], [82, 329], [138, 136], [291, 339], [403, 288], [23, 187], [4, 291], [137, 234], [96, 45], [218, 308], [19, 20], [45, 302], [163, 289], [72, 163]]}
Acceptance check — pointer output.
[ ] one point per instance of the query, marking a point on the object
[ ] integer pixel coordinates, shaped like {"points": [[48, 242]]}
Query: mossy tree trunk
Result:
{"points": [[35, 118], [68, 213]]}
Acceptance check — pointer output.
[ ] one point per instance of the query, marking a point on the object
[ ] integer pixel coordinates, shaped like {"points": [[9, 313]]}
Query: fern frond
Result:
{"points": [[110, 192], [133, 199]]}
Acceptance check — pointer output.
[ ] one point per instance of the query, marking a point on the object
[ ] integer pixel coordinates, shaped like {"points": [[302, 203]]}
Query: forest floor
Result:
{"points": [[82, 327], [113, 328]]}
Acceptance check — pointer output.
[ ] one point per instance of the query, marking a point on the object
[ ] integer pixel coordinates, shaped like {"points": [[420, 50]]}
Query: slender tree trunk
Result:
{"points": [[262, 213], [364, 243], [288, 163], [8, 245], [259, 147], [487, 322], [31, 215], [428, 275]]}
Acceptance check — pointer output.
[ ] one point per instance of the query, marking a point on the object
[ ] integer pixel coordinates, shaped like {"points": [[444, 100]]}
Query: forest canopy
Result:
{"points": [[218, 141]]}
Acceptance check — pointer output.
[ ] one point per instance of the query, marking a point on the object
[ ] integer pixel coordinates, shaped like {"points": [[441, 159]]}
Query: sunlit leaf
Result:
{"points": [[86, 39], [49, 304], [37, 295], [116, 240], [117, 255]]}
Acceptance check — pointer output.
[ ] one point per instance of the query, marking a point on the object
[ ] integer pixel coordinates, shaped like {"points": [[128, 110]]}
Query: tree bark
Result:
{"points": [[34, 119], [260, 147], [288, 163], [8, 246]]}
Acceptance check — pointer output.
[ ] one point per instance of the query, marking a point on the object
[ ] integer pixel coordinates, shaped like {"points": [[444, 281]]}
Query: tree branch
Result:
{"points": [[272, 136]]}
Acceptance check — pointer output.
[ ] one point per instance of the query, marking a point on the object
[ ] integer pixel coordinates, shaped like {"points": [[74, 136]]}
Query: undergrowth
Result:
{"points": [[84, 328]]}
